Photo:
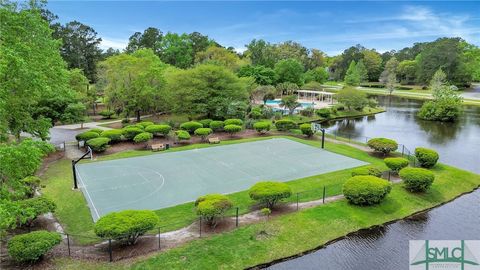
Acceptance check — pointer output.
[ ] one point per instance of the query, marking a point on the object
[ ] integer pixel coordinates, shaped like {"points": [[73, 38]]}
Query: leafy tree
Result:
{"points": [[352, 99], [212, 206], [289, 70], [352, 76], [264, 93], [406, 71], [219, 56], [177, 50], [316, 59], [206, 90], [373, 64], [471, 58], [291, 50], [341, 64], [269, 193], [362, 71], [389, 74], [261, 74], [261, 53], [286, 88], [318, 74], [80, 47], [199, 42], [149, 39], [290, 103], [135, 83]]}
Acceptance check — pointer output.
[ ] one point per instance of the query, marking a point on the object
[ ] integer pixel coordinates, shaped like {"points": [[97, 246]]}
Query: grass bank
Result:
{"points": [[73, 212]]}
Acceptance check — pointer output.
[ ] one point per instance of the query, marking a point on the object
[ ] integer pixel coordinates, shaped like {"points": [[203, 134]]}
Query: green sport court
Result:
{"points": [[166, 179]]}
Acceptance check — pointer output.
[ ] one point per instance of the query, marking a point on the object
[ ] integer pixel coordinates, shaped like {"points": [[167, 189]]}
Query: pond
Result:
{"points": [[387, 247]]}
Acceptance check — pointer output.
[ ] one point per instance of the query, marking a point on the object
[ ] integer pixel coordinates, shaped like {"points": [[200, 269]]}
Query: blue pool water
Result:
{"points": [[277, 101]]}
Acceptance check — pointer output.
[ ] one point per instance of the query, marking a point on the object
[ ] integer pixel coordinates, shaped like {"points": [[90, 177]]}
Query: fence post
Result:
{"points": [[389, 172], [159, 246], [110, 249], [68, 244], [403, 149], [200, 227], [236, 218], [323, 200], [297, 201], [64, 146]]}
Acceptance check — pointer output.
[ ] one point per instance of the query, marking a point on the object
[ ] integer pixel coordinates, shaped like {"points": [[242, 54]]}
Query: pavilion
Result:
{"points": [[315, 96]]}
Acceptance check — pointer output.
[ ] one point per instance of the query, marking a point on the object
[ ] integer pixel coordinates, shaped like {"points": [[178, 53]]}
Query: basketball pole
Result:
{"points": [[74, 169], [323, 138]]}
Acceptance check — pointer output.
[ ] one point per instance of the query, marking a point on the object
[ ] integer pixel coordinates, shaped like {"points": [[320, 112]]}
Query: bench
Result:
{"points": [[213, 140], [158, 147]]}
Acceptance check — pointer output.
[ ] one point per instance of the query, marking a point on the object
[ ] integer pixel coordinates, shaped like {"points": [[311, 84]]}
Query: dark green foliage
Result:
{"points": [[130, 132], [366, 189], [262, 127], [426, 157], [351, 98], [323, 112], [417, 179], [308, 112], [205, 122], [143, 137], [306, 129], [31, 184], [203, 132], [45, 147], [85, 136], [269, 193], [159, 130], [96, 130], [212, 206], [32, 246], [285, 125], [289, 70], [444, 110], [255, 113], [382, 145], [126, 225], [99, 144], [145, 124], [368, 170], [237, 122], [191, 126], [34, 207], [182, 135], [115, 135], [232, 129], [216, 125], [396, 164], [106, 114]]}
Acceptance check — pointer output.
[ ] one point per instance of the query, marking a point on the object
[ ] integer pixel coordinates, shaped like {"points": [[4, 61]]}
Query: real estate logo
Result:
{"points": [[444, 254]]}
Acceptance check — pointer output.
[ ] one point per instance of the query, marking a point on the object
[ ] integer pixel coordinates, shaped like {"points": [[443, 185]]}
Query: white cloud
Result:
{"points": [[113, 43]]}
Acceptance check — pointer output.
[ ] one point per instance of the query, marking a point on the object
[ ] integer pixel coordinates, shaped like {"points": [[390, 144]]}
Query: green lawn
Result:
{"points": [[73, 212]]}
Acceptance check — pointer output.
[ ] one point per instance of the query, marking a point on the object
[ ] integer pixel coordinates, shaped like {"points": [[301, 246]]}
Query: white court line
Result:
{"points": [[88, 194]]}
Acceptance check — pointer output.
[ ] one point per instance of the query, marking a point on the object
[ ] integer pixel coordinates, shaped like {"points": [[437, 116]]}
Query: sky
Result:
{"points": [[328, 26]]}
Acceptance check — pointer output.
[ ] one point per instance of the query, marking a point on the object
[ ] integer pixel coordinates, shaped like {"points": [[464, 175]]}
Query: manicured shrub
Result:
{"points": [[143, 137], [366, 189], [256, 113], [324, 112], [285, 125], [396, 164], [159, 130], [33, 208], [30, 247], [382, 145], [306, 129], [426, 157], [216, 125], [203, 132], [130, 132], [339, 107], [211, 207], [307, 112], [232, 129], [106, 114], [115, 135], [99, 144], [182, 135], [269, 193], [368, 170], [145, 124], [96, 130], [85, 136], [237, 122], [262, 127], [126, 225], [191, 126], [205, 122], [31, 183], [417, 179]]}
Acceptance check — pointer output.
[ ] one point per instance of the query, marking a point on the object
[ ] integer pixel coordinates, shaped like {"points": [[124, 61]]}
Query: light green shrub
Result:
{"points": [[203, 132], [212, 206], [216, 125], [85, 136], [426, 157], [115, 135], [99, 144], [269, 193], [417, 179], [366, 189], [396, 164], [130, 132], [159, 130], [232, 129], [143, 137], [262, 127], [382, 145], [182, 135], [306, 129], [190, 126], [30, 247], [285, 125], [368, 170], [237, 122]]}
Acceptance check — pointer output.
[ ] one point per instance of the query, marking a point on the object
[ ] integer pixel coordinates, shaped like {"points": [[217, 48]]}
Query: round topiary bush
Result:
{"points": [[30, 247], [99, 144], [190, 126], [366, 189], [237, 122], [262, 127], [269, 193], [33, 208], [203, 132], [285, 125], [324, 112], [182, 135], [306, 129], [96, 130], [382, 145], [368, 170], [417, 179], [115, 135], [85, 136], [126, 225], [216, 125], [232, 129], [106, 114], [426, 157], [159, 130], [145, 124], [396, 164], [205, 122], [143, 137], [131, 131], [211, 207]]}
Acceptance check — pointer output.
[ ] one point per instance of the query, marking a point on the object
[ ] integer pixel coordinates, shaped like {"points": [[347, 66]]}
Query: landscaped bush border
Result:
{"points": [[417, 179], [426, 157], [366, 189]]}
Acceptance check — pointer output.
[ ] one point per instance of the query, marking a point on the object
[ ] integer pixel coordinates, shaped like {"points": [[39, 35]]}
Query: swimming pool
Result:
{"points": [[277, 102]]}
